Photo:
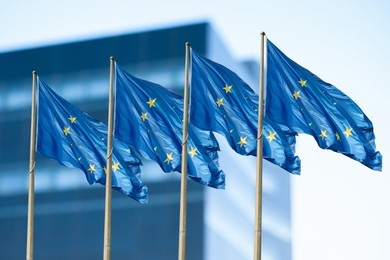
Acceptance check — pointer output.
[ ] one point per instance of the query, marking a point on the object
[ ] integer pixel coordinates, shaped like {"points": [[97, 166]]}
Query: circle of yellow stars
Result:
{"points": [[323, 135]]}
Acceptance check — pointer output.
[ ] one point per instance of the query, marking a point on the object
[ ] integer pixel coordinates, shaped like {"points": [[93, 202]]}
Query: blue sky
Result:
{"points": [[339, 206]]}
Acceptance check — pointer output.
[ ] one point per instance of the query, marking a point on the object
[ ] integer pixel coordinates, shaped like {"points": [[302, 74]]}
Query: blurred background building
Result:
{"points": [[69, 213]]}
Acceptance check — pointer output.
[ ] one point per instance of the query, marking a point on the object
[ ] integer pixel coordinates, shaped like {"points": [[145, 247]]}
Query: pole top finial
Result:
{"points": [[112, 58], [34, 72], [187, 44], [262, 33]]}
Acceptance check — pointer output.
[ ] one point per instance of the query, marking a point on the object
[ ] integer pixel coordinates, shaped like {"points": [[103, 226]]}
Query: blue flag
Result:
{"points": [[149, 117], [76, 140], [222, 102], [304, 102]]}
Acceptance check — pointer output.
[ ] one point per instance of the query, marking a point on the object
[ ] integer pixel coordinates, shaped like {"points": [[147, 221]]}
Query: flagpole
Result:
{"points": [[183, 189], [107, 212], [30, 210], [259, 164]]}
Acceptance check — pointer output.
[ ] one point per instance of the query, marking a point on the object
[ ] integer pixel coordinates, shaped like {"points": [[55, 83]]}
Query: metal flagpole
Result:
{"points": [[259, 164], [30, 210], [107, 212], [183, 191]]}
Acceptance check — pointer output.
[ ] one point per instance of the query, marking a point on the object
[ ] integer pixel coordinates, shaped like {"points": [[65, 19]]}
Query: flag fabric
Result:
{"points": [[149, 117], [222, 102], [298, 98], [76, 140]]}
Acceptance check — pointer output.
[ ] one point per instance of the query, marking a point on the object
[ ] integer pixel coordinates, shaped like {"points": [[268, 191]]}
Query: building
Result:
{"points": [[69, 214]]}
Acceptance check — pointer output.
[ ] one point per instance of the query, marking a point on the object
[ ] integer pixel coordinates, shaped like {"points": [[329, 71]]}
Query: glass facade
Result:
{"points": [[69, 214]]}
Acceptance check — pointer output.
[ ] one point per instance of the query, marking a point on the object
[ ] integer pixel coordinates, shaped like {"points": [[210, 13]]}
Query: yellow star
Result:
{"points": [[105, 170], [115, 166], [193, 152], [228, 88], [66, 130], [72, 119], [79, 159], [337, 136], [297, 94], [271, 136], [310, 124], [219, 102], [91, 168], [348, 132], [144, 116], [169, 158], [323, 134], [155, 149], [242, 141], [302, 82], [151, 102], [231, 131]]}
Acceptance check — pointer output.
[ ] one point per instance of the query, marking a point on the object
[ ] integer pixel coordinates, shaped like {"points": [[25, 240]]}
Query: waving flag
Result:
{"points": [[149, 118], [305, 103], [76, 140], [222, 102]]}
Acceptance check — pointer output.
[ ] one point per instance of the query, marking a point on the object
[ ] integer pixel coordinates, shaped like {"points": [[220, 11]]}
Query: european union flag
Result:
{"points": [[76, 140], [304, 102], [149, 117], [222, 102]]}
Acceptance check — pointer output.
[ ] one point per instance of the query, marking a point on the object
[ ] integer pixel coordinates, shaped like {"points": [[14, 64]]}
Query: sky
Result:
{"points": [[339, 206]]}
